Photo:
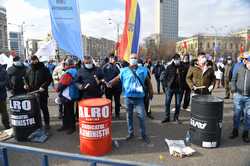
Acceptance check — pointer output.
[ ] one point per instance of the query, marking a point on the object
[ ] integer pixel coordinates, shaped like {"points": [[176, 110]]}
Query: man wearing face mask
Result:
{"points": [[133, 79], [157, 70], [39, 78], [201, 78], [174, 82], [241, 89], [228, 76], [89, 79], [16, 75], [110, 71]]}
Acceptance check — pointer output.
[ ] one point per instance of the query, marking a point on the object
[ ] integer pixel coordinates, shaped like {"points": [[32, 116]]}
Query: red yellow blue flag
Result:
{"points": [[129, 42]]}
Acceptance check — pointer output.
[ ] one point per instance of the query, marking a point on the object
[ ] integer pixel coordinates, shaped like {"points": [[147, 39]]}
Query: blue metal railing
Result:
{"points": [[46, 154]]}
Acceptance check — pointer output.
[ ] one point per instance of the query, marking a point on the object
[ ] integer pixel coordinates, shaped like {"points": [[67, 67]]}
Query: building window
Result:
{"points": [[213, 44], [208, 45], [200, 45], [231, 46], [225, 46]]}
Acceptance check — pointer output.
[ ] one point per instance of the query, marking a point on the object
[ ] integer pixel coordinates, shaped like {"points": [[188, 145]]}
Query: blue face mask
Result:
{"points": [[133, 62]]}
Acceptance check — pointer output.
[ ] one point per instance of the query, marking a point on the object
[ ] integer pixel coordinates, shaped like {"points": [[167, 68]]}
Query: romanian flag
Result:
{"points": [[129, 42]]}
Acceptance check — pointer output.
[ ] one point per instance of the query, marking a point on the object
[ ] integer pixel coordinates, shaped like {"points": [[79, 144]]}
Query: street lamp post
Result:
{"points": [[21, 37], [117, 24]]}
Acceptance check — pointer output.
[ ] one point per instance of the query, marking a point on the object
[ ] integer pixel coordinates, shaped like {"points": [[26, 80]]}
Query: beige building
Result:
{"points": [[213, 45], [245, 33], [97, 48], [3, 30]]}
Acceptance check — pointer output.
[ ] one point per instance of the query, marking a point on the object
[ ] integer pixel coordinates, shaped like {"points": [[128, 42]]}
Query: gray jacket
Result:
{"points": [[241, 81]]}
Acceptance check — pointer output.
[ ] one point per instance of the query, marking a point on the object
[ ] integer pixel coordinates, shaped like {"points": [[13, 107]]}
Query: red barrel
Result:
{"points": [[95, 117]]}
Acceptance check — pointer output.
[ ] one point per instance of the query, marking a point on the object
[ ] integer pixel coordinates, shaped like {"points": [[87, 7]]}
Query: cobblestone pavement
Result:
{"points": [[230, 153]]}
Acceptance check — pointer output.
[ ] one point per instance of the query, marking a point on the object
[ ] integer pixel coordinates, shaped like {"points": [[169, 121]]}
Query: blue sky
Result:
{"points": [[85, 5]]}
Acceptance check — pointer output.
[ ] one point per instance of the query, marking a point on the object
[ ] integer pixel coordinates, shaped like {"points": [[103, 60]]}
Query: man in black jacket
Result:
{"points": [[89, 79], [3, 96], [16, 74], [174, 80], [157, 70], [110, 71], [186, 90], [39, 78]]}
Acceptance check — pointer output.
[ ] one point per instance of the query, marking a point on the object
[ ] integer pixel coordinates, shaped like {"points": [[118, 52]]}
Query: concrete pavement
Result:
{"points": [[230, 153]]}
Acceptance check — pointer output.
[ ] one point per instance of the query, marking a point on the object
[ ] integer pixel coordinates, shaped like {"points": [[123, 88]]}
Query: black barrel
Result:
{"points": [[25, 115], [206, 121]]}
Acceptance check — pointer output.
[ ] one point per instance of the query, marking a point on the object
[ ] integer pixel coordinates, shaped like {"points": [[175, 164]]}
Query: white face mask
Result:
{"points": [[139, 64], [229, 62], [89, 66], [177, 62], [133, 62]]}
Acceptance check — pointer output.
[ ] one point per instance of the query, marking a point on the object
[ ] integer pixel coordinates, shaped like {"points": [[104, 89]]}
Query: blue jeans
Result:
{"points": [[135, 104], [241, 104], [168, 99]]}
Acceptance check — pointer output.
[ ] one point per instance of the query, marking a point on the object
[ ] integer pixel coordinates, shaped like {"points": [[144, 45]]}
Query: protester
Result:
{"points": [[3, 96], [39, 78], [16, 74], [228, 76], [241, 89], [68, 81], [110, 71], [201, 78], [186, 90], [56, 75], [175, 79], [133, 79], [219, 73], [89, 80], [157, 70]]}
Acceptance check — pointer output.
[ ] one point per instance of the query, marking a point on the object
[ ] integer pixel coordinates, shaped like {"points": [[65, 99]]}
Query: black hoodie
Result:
{"points": [[38, 77], [16, 74]]}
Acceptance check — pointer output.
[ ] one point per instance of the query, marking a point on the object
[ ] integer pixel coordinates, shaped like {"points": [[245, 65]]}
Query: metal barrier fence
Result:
{"points": [[46, 154]]}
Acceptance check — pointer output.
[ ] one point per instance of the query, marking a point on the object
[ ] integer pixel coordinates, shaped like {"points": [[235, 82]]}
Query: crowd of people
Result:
{"points": [[182, 77]]}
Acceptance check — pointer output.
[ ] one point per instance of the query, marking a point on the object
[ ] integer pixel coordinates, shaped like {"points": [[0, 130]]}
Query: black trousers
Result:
{"points": [[69, 115], [110, 94], [43, 100], [186, 94]]}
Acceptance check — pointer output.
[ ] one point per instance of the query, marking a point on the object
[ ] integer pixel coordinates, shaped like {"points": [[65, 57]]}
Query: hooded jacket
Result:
{"points": [[16, 74], [38, 77]]}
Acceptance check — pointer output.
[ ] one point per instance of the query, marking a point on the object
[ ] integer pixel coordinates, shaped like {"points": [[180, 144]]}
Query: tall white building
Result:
{"points": [[167, 19]]}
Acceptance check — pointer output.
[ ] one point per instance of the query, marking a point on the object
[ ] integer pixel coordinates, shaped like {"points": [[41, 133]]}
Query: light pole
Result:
{"points": [[117, 24], [20, 37]]}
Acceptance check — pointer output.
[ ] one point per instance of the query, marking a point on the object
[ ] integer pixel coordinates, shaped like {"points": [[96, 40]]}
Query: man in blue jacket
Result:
{"points": [[133, 79]]}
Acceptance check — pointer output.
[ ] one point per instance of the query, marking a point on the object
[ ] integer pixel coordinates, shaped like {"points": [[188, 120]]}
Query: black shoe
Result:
{"points": [[245, 137], [71, 131], [150, 116], [226, 97], [146, 139], [60, 116], [234, 134], [167, 119], [129, 137], [47, 127], [61, 129]]}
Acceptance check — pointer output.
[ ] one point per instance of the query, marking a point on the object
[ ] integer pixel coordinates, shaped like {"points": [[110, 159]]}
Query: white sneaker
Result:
{"points": [[173, 110], [187, 109]]}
